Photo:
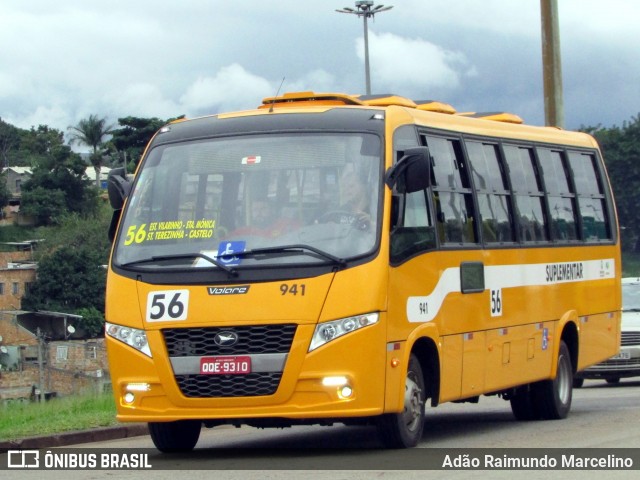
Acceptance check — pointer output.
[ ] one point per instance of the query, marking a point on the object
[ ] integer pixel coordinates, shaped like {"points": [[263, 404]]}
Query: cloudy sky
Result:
{"points": [[62, 60]]}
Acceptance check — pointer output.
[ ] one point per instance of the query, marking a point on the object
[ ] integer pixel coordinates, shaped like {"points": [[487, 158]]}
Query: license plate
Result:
{"points": [[622, 356], [225, 365]]}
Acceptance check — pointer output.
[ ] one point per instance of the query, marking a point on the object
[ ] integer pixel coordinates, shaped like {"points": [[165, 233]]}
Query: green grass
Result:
{"points": [[20, 420]]}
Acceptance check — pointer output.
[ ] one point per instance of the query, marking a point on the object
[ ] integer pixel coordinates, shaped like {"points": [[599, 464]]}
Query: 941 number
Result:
{"points": [[293, 289]]}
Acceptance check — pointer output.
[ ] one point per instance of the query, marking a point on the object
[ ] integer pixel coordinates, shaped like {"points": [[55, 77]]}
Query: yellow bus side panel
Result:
{"points": [[599, 337], [484, 351], [473, 364], [451, 368], [517, 355]]}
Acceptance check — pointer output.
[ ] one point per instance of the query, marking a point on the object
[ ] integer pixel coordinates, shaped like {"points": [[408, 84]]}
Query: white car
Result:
{"points": [[627, 362]]}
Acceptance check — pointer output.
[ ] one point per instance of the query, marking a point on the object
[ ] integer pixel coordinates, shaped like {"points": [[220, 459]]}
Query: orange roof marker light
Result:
{"points": [[386, 100], [301, 99], [495, 116], [435, 106]]}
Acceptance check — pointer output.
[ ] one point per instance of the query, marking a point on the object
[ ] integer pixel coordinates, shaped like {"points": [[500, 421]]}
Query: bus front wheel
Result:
{"points": [[404, 430], [180, 436]]}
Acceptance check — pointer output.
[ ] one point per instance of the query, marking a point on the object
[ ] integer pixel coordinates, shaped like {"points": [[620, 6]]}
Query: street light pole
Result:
{"points": [[366, 10], [551, 64]]}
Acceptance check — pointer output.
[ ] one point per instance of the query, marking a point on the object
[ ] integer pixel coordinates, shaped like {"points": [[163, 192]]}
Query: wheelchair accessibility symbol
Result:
{"points": [[226, 251]]}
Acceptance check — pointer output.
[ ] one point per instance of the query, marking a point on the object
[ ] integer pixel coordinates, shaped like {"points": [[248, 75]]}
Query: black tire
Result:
{"points": [[554, 396], [523, 404], [578, 382], [613, 381], [171, 437], [404, 430]]}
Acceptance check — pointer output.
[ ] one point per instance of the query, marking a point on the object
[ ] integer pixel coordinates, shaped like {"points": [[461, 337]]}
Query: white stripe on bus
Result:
{"points": [[426, 308]]}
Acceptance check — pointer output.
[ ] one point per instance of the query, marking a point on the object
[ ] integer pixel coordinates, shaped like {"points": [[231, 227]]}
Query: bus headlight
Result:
{"points": [[327, 331], [131, 336]]}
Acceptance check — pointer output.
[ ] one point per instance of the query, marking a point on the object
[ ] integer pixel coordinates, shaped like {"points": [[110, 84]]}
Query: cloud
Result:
{"points": [[132, 58], [317, 81], [56, 116], [231, 88], [410, 64], [140, 99]]}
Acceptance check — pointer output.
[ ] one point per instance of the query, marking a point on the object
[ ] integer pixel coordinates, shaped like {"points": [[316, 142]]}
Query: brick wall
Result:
{"points": [[10, 299], [70, 367], [14, 334]]}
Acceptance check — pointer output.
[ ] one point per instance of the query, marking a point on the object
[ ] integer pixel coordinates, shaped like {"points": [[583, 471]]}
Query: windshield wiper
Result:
{"points": [[303, 249], [159, 258]]}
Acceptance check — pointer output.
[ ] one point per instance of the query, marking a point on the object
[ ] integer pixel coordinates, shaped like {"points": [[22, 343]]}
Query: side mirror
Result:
{"points": [[113, 226], [412, 172], [118, 187]]}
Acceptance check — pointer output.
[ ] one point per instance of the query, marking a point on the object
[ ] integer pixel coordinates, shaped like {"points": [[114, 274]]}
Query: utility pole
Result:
{"points": [[41, 360], [366, 10], [551, 64]]}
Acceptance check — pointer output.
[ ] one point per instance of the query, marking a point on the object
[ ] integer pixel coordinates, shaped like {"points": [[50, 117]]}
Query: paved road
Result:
{"points": [[602, 416]]}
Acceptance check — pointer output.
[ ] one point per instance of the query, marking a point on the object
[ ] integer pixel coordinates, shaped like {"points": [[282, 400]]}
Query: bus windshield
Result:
{"points": [[252, 201]]}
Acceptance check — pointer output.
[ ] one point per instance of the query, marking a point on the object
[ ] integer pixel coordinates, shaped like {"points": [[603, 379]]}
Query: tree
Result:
{"points": [[45, 205], [92, 321], [91, 132], [135, 134], [5, 195], [21, 147], [9, 140], [621, 150], [59, 174], [70, 279], [74, 230]]}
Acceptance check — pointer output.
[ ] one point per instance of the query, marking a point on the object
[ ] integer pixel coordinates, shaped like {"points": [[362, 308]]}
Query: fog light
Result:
{"points": [[334, 381], [137, 387], [346, 391], [129, 397]]}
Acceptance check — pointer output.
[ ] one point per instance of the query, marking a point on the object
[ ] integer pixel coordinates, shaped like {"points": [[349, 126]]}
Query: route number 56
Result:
{"points": [[496, 303], [135, 234], [167, 305]]}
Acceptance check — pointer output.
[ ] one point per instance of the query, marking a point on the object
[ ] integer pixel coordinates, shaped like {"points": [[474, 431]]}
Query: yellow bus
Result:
{"points": [[328, 258]]}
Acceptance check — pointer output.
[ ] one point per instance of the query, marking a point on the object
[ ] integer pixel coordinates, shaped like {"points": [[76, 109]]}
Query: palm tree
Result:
{"points": [[90, 131]]}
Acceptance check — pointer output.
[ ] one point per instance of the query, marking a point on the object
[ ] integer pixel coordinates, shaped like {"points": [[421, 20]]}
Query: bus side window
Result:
{"points": [[414, 232], [413, 229], [561, 199], [527, 194], [494, 198], [591, 199], [452, 194]]}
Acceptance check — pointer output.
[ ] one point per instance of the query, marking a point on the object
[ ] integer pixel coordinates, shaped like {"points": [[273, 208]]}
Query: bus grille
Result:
{"points": [[255, 339], [187, 342], [630, 338], [209, 386]]}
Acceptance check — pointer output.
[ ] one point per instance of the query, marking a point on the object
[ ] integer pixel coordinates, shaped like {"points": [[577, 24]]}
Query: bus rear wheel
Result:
{"points": [[523, 404], [404, 430], [180, 436], [547, 399], [555, 395]]}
